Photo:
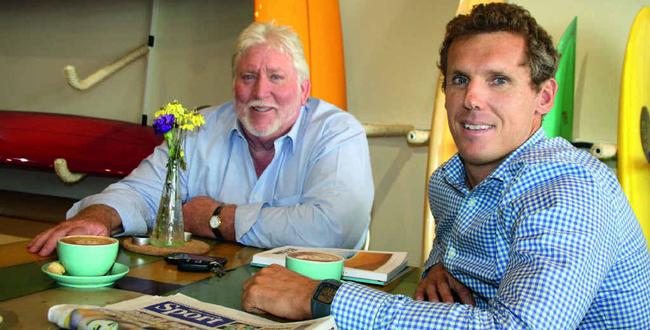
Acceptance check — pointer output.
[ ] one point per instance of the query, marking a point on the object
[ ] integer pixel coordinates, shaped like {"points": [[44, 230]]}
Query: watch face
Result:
{"points": [[326, 294], [215, 221]]}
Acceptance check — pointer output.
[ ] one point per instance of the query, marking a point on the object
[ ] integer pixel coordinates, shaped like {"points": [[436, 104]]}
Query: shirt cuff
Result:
{"points": [[435, 257], [245, 217], [355, 306]]}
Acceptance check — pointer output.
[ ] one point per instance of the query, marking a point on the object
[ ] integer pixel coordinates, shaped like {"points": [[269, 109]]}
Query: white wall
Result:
{"points": [[190, 60], [390, 57], [38, 38]]}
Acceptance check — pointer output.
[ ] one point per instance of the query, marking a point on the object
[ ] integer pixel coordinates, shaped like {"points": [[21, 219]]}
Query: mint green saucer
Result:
{"points": [[117, 272]]}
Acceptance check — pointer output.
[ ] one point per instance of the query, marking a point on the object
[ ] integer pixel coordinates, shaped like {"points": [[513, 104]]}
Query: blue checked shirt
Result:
{"points": [[547, 241]]}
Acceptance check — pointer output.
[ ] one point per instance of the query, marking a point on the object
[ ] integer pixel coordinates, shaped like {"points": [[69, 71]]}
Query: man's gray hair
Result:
{"points": [[279, 37]]}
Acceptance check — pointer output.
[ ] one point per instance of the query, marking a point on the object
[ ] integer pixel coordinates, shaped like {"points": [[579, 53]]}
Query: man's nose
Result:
{"points": [[473, 96], [261, 88]]}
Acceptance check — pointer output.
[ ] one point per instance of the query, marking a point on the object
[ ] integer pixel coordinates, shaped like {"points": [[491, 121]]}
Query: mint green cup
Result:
{"points": [[315, 264], [87, 255]]}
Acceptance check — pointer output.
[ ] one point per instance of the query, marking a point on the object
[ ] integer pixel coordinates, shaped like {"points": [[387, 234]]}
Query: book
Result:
{"points": [[171, 312], [372, 267]]}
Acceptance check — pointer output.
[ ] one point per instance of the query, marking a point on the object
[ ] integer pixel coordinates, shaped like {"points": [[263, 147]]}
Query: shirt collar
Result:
{"points": [[291, 136], [454, 171], [508, 166]]}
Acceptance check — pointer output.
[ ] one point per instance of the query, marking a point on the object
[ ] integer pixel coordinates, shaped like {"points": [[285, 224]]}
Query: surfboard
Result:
{"points": [[633, 167], [89, 145], [559, 122], [318, 23], [441, 143]]}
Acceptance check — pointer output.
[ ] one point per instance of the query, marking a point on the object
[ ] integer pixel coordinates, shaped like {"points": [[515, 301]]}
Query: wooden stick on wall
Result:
{"points": [[71, 76], [413, 135]]}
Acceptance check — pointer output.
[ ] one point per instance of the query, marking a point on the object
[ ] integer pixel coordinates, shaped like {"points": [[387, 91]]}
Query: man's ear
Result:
{"points": [[547, 96], [305, 88]]}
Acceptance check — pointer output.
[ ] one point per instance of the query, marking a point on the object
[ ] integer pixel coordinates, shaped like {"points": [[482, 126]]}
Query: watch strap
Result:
{"points": [[216, 231], [320, 308]]}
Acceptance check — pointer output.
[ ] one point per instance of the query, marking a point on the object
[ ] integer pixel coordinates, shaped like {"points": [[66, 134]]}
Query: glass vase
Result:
{"points": [[169, 230]]}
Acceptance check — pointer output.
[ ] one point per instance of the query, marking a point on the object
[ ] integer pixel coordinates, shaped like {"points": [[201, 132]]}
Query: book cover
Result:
{"points": [[374, 267]]}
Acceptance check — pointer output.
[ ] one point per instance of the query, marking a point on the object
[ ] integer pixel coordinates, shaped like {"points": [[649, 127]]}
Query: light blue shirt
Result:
{"points": [[547, 241], [317, 190]]}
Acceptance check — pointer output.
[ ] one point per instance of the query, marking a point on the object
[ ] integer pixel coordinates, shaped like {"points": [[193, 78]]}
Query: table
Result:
{"points": [[26, 293]]}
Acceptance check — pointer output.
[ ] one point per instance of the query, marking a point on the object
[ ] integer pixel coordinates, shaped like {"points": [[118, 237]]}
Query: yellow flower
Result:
{"points": [[183, 119], [171, 120]]}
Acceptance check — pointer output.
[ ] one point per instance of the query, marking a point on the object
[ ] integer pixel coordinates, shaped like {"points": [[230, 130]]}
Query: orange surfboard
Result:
{"points": [[318, 24]]}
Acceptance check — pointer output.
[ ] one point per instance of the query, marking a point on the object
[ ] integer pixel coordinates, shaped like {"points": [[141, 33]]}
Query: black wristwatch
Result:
{"points": [[321, 301], [215, 222]]}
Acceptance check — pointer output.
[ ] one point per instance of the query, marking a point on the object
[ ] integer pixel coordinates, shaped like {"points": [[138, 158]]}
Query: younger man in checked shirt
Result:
{"points": [[531, 233]]}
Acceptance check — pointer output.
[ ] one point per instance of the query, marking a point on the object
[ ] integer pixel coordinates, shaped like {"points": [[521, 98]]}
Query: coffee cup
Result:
{"points": [[87, 255], [315, 264]]}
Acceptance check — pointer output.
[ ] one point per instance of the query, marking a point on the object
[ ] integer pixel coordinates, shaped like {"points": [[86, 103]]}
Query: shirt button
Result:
{"points": [[451, 252], [471, 202]]}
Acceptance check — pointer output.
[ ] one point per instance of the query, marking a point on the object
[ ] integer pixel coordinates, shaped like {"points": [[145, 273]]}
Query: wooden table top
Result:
{"points": [[26, 293]]}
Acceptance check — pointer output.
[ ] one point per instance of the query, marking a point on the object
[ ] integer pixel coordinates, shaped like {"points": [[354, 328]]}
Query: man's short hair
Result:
{"points": [[279, 37], [500, 17]]}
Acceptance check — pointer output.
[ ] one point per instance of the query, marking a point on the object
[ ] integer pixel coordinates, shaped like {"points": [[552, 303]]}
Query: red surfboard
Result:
{"points": [[89, 145]]}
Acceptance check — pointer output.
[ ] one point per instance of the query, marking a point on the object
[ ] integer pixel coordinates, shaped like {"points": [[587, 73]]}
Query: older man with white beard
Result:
{"points": [[274, 167]]}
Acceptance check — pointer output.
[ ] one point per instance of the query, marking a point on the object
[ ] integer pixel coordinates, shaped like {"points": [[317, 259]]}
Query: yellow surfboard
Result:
{"points": [[318, 24], [633, 166], [441, 143]]}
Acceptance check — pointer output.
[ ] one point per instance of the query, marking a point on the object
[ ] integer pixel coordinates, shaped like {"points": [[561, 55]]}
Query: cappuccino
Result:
{"points": [[315, 265], [315, 256], [87, 255], [88, 240]]}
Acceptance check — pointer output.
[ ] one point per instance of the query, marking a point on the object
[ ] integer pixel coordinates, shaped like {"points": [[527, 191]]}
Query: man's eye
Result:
{"points": [[500, 80], [459, 80], [276, 76], [248, 77]]}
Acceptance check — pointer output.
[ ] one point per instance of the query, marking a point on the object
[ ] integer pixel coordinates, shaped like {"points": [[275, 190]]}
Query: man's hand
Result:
{"points": [[94, 220], [440, 286], [279, 291], [196, 217]]}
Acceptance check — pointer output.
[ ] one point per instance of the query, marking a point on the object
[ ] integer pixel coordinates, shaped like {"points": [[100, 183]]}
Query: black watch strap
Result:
{"points": [[321, 301], [216, 231]]}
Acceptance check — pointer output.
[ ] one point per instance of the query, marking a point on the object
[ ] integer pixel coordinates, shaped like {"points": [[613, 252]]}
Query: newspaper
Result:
{"points": [[171, 312]]}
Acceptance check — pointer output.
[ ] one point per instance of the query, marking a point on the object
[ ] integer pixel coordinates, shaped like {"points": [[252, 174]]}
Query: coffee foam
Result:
{"points": [[88, 240], [314, 256]]}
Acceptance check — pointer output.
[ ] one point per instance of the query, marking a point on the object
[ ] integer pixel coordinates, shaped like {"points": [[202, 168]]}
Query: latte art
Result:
{"points": [[88, 240], [315, 256]]}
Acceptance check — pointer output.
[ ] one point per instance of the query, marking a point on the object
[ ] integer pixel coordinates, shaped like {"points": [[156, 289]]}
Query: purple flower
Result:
{"points": [[163, 124]]}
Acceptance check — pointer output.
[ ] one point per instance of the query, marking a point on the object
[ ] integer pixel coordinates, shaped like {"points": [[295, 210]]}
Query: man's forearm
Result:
{"points": [[104, 213]]}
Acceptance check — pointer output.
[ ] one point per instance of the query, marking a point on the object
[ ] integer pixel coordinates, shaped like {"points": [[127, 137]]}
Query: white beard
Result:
{"points": [[272, 129], [244, 117]]}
